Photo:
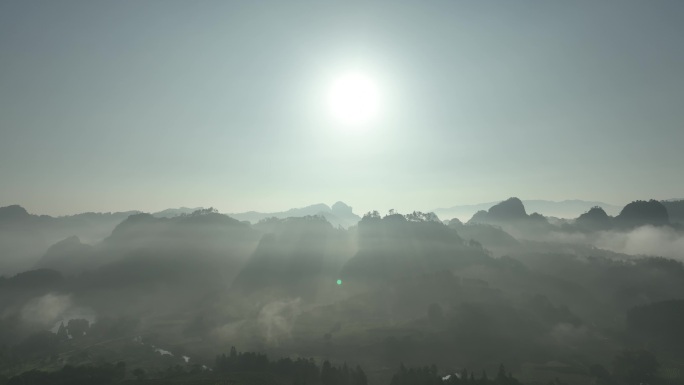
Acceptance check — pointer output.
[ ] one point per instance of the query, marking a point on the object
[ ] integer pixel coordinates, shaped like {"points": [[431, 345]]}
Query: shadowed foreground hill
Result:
{"points": [[25, 237], [659, 324], [490, 236], [202, 234], [512, 217], [595, 219], [69, 256], [640, 213], [399, 246], [294, 257]]}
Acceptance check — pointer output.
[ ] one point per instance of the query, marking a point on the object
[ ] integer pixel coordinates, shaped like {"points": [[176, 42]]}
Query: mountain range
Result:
{"points": [[339, 214], [393, 288], [560, 209]]}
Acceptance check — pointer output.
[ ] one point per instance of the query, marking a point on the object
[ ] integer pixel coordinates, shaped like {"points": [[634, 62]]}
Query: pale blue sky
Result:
{"points": [[145, 105]]}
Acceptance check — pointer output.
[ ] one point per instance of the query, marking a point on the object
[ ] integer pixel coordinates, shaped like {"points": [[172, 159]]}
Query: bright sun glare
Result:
{"points": [[354, 99]]}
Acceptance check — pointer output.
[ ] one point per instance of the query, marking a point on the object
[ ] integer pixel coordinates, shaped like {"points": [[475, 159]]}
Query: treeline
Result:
{"points": [[298, 372], [72, 375], [428, 375], [631, 367]]}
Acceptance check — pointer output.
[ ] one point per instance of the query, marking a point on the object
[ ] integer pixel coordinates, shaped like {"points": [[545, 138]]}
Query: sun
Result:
{"points": [[354, 99]]}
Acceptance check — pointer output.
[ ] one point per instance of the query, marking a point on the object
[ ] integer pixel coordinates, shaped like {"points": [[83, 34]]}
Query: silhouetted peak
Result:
{"points": [[132, 221], [594, 219], [342, 208], [594, 214], [317, 207], [169, 213], [137, 218], [13, 212], [72, 240], [511, 208], [66, 255], [208, 216], [480, 216], [640, 213], [537, 217], [597, 212]]}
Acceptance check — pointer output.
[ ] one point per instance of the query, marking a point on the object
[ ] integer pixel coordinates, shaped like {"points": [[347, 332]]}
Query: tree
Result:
{"points": [[327, 375], [360, 378], [372, 215], [62, 332], [501, 375], [221, 363]]}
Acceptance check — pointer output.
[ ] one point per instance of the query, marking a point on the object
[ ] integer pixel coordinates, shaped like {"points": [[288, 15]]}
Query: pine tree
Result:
{"points": [[361, 378], [327, 375], [62, 332], [501, 377], [464, 376]]}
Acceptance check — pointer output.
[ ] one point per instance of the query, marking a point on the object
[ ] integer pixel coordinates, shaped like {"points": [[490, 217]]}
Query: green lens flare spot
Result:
{"points": [[339, 281]]}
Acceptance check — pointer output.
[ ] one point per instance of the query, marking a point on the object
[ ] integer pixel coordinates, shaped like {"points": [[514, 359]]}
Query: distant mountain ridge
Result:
{"points": [[561, 209], [25, 237], [340, 214], [170, 213]]}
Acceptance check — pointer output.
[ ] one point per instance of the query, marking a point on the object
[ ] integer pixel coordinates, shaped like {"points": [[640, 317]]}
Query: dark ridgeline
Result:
{"points": [[640, 213], [25, 237], [633, 215], [511, 209], [428, 375], [339, 214], [287, 370], [512, 217], [594, 220], [675, 210]]}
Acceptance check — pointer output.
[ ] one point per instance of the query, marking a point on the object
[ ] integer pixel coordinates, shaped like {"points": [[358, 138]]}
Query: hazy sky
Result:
{"points": [[147, 104]]}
